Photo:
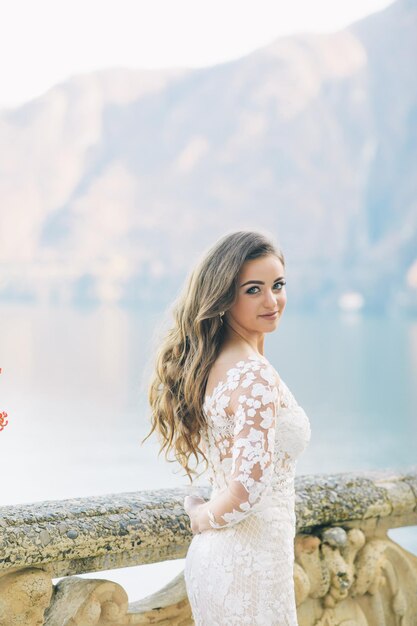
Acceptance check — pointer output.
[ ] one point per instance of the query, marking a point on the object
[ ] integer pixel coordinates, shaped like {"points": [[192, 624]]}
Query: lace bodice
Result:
{"points": [[239, 571], [255, 432]]}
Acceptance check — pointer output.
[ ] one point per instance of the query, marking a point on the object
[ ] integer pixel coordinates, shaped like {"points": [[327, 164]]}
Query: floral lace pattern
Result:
{"points": [[241, 571], [251, 444]]}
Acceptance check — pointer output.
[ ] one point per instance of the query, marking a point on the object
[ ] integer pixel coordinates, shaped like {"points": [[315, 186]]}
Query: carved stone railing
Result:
{"points": [[347, 570]]}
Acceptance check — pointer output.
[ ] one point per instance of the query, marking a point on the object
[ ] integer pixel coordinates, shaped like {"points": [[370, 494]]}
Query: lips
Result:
{"points": [[270, 314]]}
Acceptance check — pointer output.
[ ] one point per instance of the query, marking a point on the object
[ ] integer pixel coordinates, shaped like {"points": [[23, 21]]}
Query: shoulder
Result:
{"points": [[233, 370], [253, 377], [230, 363], [259, 368]]}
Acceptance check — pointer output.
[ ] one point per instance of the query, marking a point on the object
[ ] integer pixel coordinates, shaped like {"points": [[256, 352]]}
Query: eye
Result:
{"points": [[281, 283]]}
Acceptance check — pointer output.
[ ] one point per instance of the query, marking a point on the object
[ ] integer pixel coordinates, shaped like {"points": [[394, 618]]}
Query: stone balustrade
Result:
{"points": [[347, 570]]}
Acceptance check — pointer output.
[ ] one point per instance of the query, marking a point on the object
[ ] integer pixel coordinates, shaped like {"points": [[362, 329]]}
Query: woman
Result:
{"points": [[213, 386]]}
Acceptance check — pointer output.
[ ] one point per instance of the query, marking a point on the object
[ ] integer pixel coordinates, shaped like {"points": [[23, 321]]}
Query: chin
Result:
{"points": [[271, 326]]}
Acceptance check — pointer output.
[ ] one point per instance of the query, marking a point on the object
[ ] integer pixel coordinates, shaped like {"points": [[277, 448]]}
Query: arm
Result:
{"points": [[254, 404]]}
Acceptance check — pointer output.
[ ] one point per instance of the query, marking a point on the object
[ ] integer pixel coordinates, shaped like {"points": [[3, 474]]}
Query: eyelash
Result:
{"points": [[281, 282]]}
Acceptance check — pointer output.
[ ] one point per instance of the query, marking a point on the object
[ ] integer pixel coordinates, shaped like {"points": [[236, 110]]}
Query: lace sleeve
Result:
{"points": [[254, 405]]}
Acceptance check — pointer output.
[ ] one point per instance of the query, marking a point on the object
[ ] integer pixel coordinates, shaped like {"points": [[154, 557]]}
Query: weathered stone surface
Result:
{"points": [[343, 557], [90, 534], [24, 596], [332, 498]]}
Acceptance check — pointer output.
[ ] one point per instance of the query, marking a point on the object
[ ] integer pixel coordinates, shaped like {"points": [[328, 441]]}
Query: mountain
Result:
{"points": [[113, 183]]}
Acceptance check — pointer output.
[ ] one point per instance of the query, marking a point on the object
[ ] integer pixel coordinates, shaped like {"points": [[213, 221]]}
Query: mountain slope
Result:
{"points": [[114, 181]]}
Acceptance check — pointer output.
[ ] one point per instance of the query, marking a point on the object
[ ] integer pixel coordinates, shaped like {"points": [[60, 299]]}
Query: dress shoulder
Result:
{"points": [[241, 374]]}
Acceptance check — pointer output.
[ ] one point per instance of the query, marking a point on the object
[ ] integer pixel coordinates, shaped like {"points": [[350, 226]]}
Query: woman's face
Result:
{"points": [[260, 291]]}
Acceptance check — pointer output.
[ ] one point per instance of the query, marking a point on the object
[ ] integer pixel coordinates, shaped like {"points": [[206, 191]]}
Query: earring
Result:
{"points": [[221, 316]]}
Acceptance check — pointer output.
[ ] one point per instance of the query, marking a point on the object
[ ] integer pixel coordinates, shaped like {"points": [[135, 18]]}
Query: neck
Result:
{"points": [[255, 342]]}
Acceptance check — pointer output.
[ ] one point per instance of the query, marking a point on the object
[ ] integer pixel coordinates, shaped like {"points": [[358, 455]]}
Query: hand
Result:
{"points": [[191, 506]]}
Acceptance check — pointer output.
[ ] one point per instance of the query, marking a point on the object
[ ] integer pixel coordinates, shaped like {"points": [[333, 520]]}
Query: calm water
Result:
{"points": [[74, 386]]}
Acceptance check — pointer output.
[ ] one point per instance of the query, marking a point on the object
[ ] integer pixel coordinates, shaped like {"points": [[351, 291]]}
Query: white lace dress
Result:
{"points": [[240, 571]]}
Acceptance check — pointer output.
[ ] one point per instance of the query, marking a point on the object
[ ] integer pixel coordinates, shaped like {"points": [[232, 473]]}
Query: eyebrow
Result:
{"points": [[260, 282]]}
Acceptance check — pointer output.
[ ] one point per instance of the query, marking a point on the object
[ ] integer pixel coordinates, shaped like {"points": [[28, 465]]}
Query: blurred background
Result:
{"points": [[132, 136]]}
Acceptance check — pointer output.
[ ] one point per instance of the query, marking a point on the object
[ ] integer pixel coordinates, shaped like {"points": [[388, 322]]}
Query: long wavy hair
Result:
{"points": [[190, 347]]}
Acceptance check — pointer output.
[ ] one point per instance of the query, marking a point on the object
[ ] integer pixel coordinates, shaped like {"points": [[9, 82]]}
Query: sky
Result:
{"points": [[44, 42]]}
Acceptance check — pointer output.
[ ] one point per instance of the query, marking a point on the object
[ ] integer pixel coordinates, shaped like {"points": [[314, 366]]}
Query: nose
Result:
{"points": [[271, 300]]}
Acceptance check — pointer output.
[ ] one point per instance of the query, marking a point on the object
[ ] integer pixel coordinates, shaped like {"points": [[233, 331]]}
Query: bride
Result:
{"points": [[213, 387]]}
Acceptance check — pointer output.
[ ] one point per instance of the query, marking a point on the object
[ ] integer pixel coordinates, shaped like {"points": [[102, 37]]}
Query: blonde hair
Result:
{"points": [[190, 347]]}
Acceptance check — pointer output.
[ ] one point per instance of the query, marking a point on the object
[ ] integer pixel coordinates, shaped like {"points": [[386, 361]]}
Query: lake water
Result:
{"points": [[74, 387]]}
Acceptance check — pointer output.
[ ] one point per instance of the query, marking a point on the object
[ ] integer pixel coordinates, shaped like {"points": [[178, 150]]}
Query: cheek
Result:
{"points": [[243, 307]]}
